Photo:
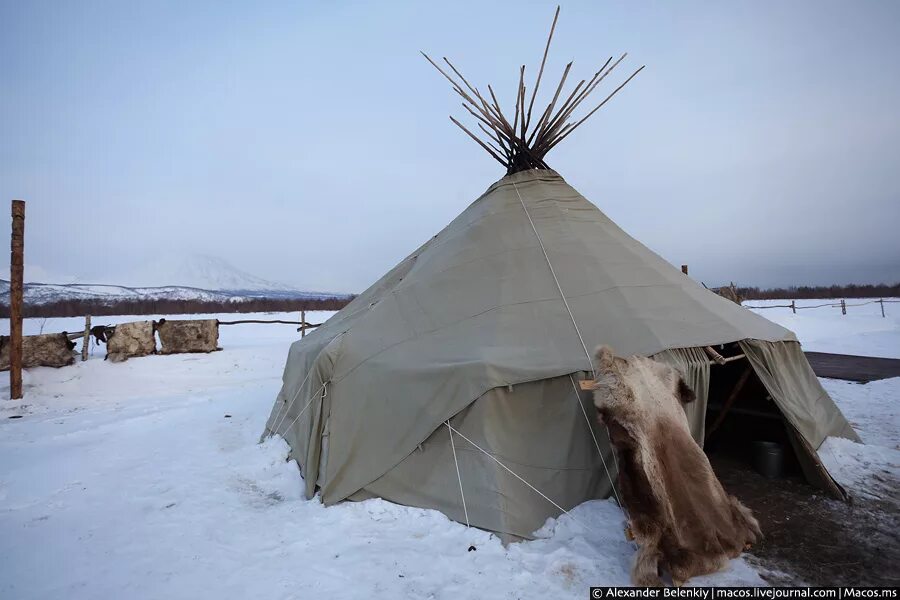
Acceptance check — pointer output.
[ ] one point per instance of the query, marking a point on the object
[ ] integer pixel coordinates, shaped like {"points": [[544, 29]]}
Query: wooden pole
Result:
{"points": [[16, 276], [731, 398], [715, 356], [882, 306], [87, 338], [537, 84], [794, 306], [684, 269], [303, 323], [843, 307]]}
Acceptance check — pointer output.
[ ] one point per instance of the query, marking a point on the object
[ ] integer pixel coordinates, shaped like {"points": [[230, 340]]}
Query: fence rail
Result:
{"points": [[842, 304], [100, 333]]}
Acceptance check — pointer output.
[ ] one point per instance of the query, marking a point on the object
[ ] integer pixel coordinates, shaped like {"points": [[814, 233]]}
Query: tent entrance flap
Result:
{"points": [[742, 412]]}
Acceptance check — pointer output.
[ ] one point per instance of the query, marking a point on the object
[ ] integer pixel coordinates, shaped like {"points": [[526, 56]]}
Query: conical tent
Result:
{"points": [[486, 329], [453, 382]]}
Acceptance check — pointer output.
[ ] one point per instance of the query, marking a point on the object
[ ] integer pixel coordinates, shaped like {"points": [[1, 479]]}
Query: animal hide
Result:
{"points": [[129, 340], [682, 519], [47, 350], [188, 336]]}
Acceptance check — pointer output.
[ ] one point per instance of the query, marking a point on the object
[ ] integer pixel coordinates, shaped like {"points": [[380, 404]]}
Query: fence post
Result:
{"points": [[87, 338], [843, 307], [794, 306], [684, 269], [302, 323], [881, 301], [16, 276]]}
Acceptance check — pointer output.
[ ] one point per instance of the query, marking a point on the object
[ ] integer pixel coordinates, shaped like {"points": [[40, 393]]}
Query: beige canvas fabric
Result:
{"points": [[538, 430], [693, 364], [474, 310], [794, 387]]}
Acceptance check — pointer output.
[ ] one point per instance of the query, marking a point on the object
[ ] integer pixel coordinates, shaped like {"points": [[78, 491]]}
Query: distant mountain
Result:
{"points": [[197, 271], [47, 293], [170, 277]]}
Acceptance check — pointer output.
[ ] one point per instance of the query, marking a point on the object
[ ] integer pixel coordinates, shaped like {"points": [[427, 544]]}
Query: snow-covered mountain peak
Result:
{"points": [[197, 271]]}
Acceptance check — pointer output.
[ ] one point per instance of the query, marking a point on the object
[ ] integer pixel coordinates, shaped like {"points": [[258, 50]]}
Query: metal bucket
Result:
{"points": [[768, 459]]}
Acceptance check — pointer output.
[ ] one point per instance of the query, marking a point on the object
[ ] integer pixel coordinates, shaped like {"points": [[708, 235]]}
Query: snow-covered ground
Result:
{"points": [[861, 331], [870, 469], [145, 480]]}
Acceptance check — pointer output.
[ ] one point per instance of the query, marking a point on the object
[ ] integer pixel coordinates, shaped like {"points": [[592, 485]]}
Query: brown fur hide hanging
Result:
{"points": [[681, 517]]}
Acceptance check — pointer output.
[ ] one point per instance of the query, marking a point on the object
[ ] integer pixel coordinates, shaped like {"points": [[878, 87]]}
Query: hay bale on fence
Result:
{"points": [[198, 335], [131, 339], [47, 350]]}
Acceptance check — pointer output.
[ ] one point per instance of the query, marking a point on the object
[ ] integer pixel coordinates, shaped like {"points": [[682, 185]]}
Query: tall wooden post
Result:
{"points": [[87, 338], [843, 307], [16, 276], [882, 306], [684, 269], [794, 306], [302, 323]]}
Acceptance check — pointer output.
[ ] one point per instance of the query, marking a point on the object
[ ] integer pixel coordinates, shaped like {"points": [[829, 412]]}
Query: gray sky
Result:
{"points": [[308, 142]]}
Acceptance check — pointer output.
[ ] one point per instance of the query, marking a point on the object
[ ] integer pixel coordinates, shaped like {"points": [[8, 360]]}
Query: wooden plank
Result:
{"points": [[853, 368]]}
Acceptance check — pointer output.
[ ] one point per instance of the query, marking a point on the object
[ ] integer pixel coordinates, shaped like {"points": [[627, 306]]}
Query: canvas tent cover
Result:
{"points": [[472, 329]]}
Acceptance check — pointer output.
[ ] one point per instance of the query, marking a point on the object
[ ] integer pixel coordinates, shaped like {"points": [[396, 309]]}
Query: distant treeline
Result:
{"points": [[880, 290], [80, 308]]}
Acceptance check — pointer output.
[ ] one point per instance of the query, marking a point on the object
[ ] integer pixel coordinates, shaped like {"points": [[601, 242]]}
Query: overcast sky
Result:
{"points": [[308, 142]]}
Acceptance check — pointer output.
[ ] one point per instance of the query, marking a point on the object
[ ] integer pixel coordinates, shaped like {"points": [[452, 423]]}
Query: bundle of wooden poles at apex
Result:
{"points": [[517, 145]]}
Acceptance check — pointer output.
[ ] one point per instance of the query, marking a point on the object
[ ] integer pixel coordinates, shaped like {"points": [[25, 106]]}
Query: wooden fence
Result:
{"points": [[102, 332], [841, 303]]}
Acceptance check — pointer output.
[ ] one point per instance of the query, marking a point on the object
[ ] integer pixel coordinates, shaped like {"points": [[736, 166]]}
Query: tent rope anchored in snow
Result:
{"points": [[587, 420], [472, 334], [507, 469], [287, 406], [322, 389], [462, 494]]}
